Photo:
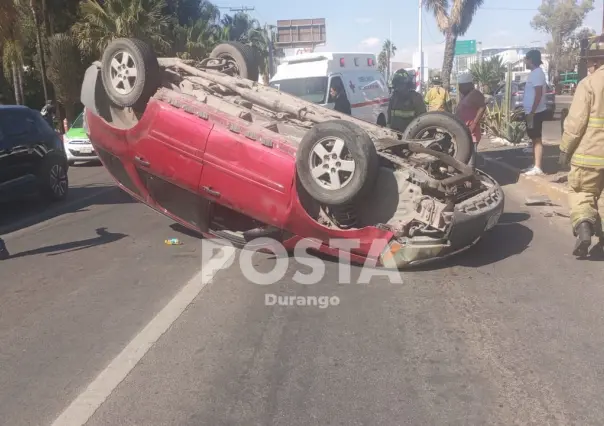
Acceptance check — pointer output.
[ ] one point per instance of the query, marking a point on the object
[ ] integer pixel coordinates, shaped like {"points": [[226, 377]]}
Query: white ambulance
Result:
{"points": [[310, 76]]}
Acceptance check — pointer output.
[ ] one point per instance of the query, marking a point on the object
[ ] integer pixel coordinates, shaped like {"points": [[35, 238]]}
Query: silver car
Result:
{"points": [[518, 96]]}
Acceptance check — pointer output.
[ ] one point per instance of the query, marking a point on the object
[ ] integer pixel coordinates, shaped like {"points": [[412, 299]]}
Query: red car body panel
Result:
{"points": [[226, 160]]}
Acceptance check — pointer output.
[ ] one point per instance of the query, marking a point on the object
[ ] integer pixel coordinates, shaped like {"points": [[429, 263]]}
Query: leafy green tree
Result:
{"points": [[560, 19], [571, 49], [388, 50], [142, 19], [488, 73], [453, 18]]}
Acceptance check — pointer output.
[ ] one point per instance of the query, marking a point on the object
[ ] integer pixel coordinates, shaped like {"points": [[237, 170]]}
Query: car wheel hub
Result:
{"points": [[331, 165], [123, 72], [58, 180]]}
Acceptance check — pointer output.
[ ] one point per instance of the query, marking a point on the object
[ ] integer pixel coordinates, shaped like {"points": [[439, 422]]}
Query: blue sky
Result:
{"points": [[355, 25]]}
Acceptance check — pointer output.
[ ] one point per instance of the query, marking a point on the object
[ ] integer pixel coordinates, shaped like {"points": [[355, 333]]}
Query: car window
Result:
{"points": [[78, 122], [312, 89]]}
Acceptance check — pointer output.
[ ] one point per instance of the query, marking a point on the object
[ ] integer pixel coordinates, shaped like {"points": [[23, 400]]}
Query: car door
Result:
{"points": [[167, 151], [243, 171], [20, 154]]}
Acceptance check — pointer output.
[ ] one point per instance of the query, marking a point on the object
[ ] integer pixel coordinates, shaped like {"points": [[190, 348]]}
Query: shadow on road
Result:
{"points": [[19, 214], [507, 239], [103, 237]]}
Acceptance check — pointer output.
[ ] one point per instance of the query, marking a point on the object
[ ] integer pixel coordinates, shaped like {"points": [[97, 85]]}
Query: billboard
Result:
{"points": [[300, 33]]}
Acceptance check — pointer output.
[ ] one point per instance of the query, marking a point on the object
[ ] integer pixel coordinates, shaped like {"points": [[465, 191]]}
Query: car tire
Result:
{"points": [[460, 133], [52, 178], [356, 148], [124, 56], [242, 56]]}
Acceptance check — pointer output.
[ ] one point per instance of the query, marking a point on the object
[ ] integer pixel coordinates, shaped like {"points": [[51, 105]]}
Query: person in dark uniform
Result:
{"points": [[338, 94], [405, 103]]}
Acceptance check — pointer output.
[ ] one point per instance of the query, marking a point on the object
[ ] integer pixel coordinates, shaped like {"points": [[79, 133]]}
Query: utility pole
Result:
{"points": [[421, 48]]}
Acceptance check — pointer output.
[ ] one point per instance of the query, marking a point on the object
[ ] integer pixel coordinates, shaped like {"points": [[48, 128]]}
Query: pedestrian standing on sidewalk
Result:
{"points": [[582, 147], [535, 109], [470, 110]]}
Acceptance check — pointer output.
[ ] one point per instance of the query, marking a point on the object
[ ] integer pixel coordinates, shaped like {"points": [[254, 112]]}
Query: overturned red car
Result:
{"points": [[204, 144]]}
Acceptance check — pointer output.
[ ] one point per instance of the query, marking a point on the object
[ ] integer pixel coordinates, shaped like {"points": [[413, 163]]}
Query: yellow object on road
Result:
{"points": [[173, 242]]}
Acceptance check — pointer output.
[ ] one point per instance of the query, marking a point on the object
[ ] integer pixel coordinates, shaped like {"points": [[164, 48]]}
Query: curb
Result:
{"points": [[554, 192]]}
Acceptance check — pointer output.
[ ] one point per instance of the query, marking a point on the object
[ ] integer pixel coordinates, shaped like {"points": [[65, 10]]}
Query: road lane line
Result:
{"points": [[97, 392]]}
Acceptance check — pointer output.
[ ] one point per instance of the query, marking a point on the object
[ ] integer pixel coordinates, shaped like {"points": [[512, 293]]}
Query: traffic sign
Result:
{"points": [[465, 47]]}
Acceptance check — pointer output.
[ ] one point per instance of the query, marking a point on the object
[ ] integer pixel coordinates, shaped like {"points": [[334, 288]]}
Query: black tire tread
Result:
{"points": [[368, 175], [43, 177], [250, 58], [148, 79], [446, 121]]}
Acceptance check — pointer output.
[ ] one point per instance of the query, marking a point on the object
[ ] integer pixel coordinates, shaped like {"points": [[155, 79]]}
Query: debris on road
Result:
{"points": [[538, 201], [173, 242]]}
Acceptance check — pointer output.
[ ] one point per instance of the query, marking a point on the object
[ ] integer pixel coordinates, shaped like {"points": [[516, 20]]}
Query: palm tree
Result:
{"points": [[39, 46], [389, 49], [104, 20], [452, 23], [383, 62], [197, 40], [12, 46], [488, 73], [12, 63], [65, 66]]}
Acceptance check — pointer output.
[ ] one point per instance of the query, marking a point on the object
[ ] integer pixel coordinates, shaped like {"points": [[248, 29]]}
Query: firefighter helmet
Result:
{"points": [[402, 80]]}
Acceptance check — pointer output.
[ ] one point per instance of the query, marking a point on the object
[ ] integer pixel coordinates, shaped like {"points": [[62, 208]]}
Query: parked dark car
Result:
{"points": [[518, 96], [32, 156]]}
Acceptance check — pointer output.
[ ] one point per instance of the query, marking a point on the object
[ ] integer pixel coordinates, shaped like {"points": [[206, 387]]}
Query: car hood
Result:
{"points": [[76, 133]]}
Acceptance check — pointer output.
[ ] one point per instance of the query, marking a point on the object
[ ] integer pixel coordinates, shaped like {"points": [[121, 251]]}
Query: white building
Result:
{"points": [[510, 55]]}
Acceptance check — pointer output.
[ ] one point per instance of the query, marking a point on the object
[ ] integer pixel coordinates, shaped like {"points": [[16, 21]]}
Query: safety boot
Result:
{"points": [[3, 250], [597, 251], [584, 232]]}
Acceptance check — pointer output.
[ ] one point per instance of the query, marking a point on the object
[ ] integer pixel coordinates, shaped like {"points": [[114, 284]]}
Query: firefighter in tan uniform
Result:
{"points": [[583, 148], [438, 98], [405, 103]]}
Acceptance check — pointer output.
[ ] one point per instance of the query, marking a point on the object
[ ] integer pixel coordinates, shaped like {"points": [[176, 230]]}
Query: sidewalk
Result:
{"points": [[513, 159]]}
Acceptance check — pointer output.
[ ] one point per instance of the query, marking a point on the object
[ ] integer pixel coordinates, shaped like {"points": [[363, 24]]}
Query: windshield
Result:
{"points": [[79, 122], [312, 89]]}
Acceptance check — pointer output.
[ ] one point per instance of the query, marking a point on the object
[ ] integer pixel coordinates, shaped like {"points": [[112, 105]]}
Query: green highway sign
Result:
{"points": [[465, 47]]}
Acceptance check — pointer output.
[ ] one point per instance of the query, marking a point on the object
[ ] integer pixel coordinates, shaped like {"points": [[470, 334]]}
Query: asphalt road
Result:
{"points": [[96, 326]]}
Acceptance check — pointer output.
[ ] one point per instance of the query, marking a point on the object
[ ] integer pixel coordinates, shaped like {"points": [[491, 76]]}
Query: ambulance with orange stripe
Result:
{"points": [[310, 76]]}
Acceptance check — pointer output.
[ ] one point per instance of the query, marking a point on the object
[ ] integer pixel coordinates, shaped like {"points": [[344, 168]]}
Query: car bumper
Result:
{"points": [[80, 152], [471, 220]]}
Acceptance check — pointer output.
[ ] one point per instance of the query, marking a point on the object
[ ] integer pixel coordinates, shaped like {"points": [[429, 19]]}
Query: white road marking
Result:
{"points": [[85, 405]]}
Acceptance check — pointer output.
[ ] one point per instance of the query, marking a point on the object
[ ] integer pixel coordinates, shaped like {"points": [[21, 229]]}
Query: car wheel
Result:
{"points": [[337, 162], [54, 183], [130, 73], [457, 139], [241, 56]]}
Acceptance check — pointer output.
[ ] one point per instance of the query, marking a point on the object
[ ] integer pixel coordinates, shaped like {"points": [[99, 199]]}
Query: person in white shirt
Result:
{"points": [[535, 109]]}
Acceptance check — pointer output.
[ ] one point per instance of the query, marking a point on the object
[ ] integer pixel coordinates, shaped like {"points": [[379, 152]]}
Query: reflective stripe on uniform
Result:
{"points": [[403, 113], [596, 122], [588, 160]]}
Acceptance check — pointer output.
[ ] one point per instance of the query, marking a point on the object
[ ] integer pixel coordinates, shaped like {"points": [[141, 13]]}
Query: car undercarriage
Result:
{"points": [[423, 196]]}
